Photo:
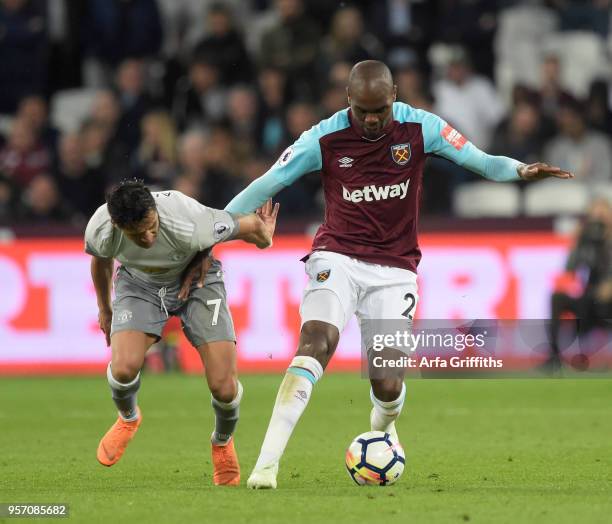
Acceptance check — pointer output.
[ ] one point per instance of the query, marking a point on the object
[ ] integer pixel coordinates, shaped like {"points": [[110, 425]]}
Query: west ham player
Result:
{"points": [[364, 256], [154, 236]]}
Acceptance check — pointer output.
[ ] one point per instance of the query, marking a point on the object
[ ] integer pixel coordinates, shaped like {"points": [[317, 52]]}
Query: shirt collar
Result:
{"points": [[387, 130]]}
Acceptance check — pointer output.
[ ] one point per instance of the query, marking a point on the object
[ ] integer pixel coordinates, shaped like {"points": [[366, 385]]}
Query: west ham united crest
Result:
{"points": [[401, 153], [322, 276]]}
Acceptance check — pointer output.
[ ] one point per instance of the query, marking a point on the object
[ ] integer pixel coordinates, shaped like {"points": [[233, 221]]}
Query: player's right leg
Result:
{"points": [[324, 314], [138, 320], [123, 374]]}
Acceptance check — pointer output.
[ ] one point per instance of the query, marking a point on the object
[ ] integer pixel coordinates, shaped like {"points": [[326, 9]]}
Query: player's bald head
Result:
{"points": [[371, 94], [370, 74]]}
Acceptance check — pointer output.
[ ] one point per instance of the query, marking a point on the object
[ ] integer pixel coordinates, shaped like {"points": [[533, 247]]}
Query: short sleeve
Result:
{"points": [[100, 234], [212, 226]]}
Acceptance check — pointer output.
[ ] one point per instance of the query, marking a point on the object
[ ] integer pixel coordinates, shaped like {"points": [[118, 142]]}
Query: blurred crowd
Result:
{"points": [[203, 95]]}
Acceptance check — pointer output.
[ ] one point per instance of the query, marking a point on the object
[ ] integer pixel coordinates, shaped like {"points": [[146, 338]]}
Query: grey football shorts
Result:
{"points": [[146, 307]]}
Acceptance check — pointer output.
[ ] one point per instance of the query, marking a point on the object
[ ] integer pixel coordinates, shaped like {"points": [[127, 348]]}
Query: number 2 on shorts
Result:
{"points": [[217, 303], [412, 299]]}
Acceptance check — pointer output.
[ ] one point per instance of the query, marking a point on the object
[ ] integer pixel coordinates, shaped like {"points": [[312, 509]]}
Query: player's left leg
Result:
{"points": [[219, 359], [208, 325]]}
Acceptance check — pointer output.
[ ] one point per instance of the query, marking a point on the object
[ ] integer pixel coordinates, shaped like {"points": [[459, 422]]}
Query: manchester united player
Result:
{"points": [[364, 256], [155, 236]]}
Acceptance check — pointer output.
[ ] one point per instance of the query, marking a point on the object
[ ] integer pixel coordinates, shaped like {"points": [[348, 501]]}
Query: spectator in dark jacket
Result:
{"points": [[23, 61], [134, 101], [42, 202], [199, 98], [114, 30], [23, 157], [34, 110], [224, 46], [81, 187], [293, 46]]}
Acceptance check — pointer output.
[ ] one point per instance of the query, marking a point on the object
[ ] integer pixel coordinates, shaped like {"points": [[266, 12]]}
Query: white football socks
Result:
{"points": [[385, 413], [291, 400]]}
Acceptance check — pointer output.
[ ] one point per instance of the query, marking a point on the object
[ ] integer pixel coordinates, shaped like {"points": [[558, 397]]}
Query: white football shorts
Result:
{"points": [[340, 286]]}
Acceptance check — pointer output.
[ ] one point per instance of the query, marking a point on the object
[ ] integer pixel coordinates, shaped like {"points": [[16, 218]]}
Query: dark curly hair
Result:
{"points": [[129, 203]]}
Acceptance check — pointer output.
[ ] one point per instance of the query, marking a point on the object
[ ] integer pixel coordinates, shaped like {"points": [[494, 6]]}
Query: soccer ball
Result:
{"points": [[374, 458]]}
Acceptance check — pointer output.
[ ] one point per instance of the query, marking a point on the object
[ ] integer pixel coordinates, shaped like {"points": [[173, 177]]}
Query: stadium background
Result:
{"points": [[202, 96]]}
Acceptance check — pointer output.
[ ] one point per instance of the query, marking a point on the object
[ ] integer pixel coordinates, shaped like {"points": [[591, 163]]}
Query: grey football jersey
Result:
{"points": [[185, 227]]}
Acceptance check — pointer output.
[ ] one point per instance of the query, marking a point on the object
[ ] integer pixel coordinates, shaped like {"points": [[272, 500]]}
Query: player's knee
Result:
{"points": [[318, 340], [124, 371], [387, 390], [223, 389]]}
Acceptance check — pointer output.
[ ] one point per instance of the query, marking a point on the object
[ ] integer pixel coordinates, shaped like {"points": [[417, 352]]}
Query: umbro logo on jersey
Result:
{"points": [[346, 161], [372, 192]]}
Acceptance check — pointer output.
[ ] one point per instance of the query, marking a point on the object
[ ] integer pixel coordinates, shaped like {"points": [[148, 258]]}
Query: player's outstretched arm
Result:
{"points": [[258, 228], [299, 159], [102, 276], [443, 140]]}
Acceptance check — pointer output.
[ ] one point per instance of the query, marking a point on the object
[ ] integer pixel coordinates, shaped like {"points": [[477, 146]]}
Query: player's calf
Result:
{"points": [[319, 341], [124, 393], [291, 401], [226, 414], [225, 399], [387, 389]]}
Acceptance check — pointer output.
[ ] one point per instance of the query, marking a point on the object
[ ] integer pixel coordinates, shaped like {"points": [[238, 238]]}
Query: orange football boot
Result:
{"points": [[113, 444], [226, 469]]}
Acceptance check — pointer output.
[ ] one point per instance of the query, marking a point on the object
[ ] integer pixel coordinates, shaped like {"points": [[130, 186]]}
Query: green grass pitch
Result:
{"points": [[477, 451]]}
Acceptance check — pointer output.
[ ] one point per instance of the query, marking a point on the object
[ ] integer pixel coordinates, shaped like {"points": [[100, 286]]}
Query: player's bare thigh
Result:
{"points": [[128, 353], [219, 359]]}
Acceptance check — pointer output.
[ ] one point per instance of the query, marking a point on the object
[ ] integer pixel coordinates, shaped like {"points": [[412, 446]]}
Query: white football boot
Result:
{"points": [[263, 478]]}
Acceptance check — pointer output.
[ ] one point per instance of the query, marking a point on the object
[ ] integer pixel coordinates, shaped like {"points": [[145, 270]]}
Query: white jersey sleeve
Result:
{"points": [[210, 226], [101, 238]]}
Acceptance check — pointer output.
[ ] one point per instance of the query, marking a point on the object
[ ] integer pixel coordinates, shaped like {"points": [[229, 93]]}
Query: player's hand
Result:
{"points": [[196, 270], [105, 318], [541, 170], [268, 214]]}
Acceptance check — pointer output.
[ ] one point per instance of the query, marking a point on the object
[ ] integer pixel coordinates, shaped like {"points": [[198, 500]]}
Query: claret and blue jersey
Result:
{"points": [[372, 187]]}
